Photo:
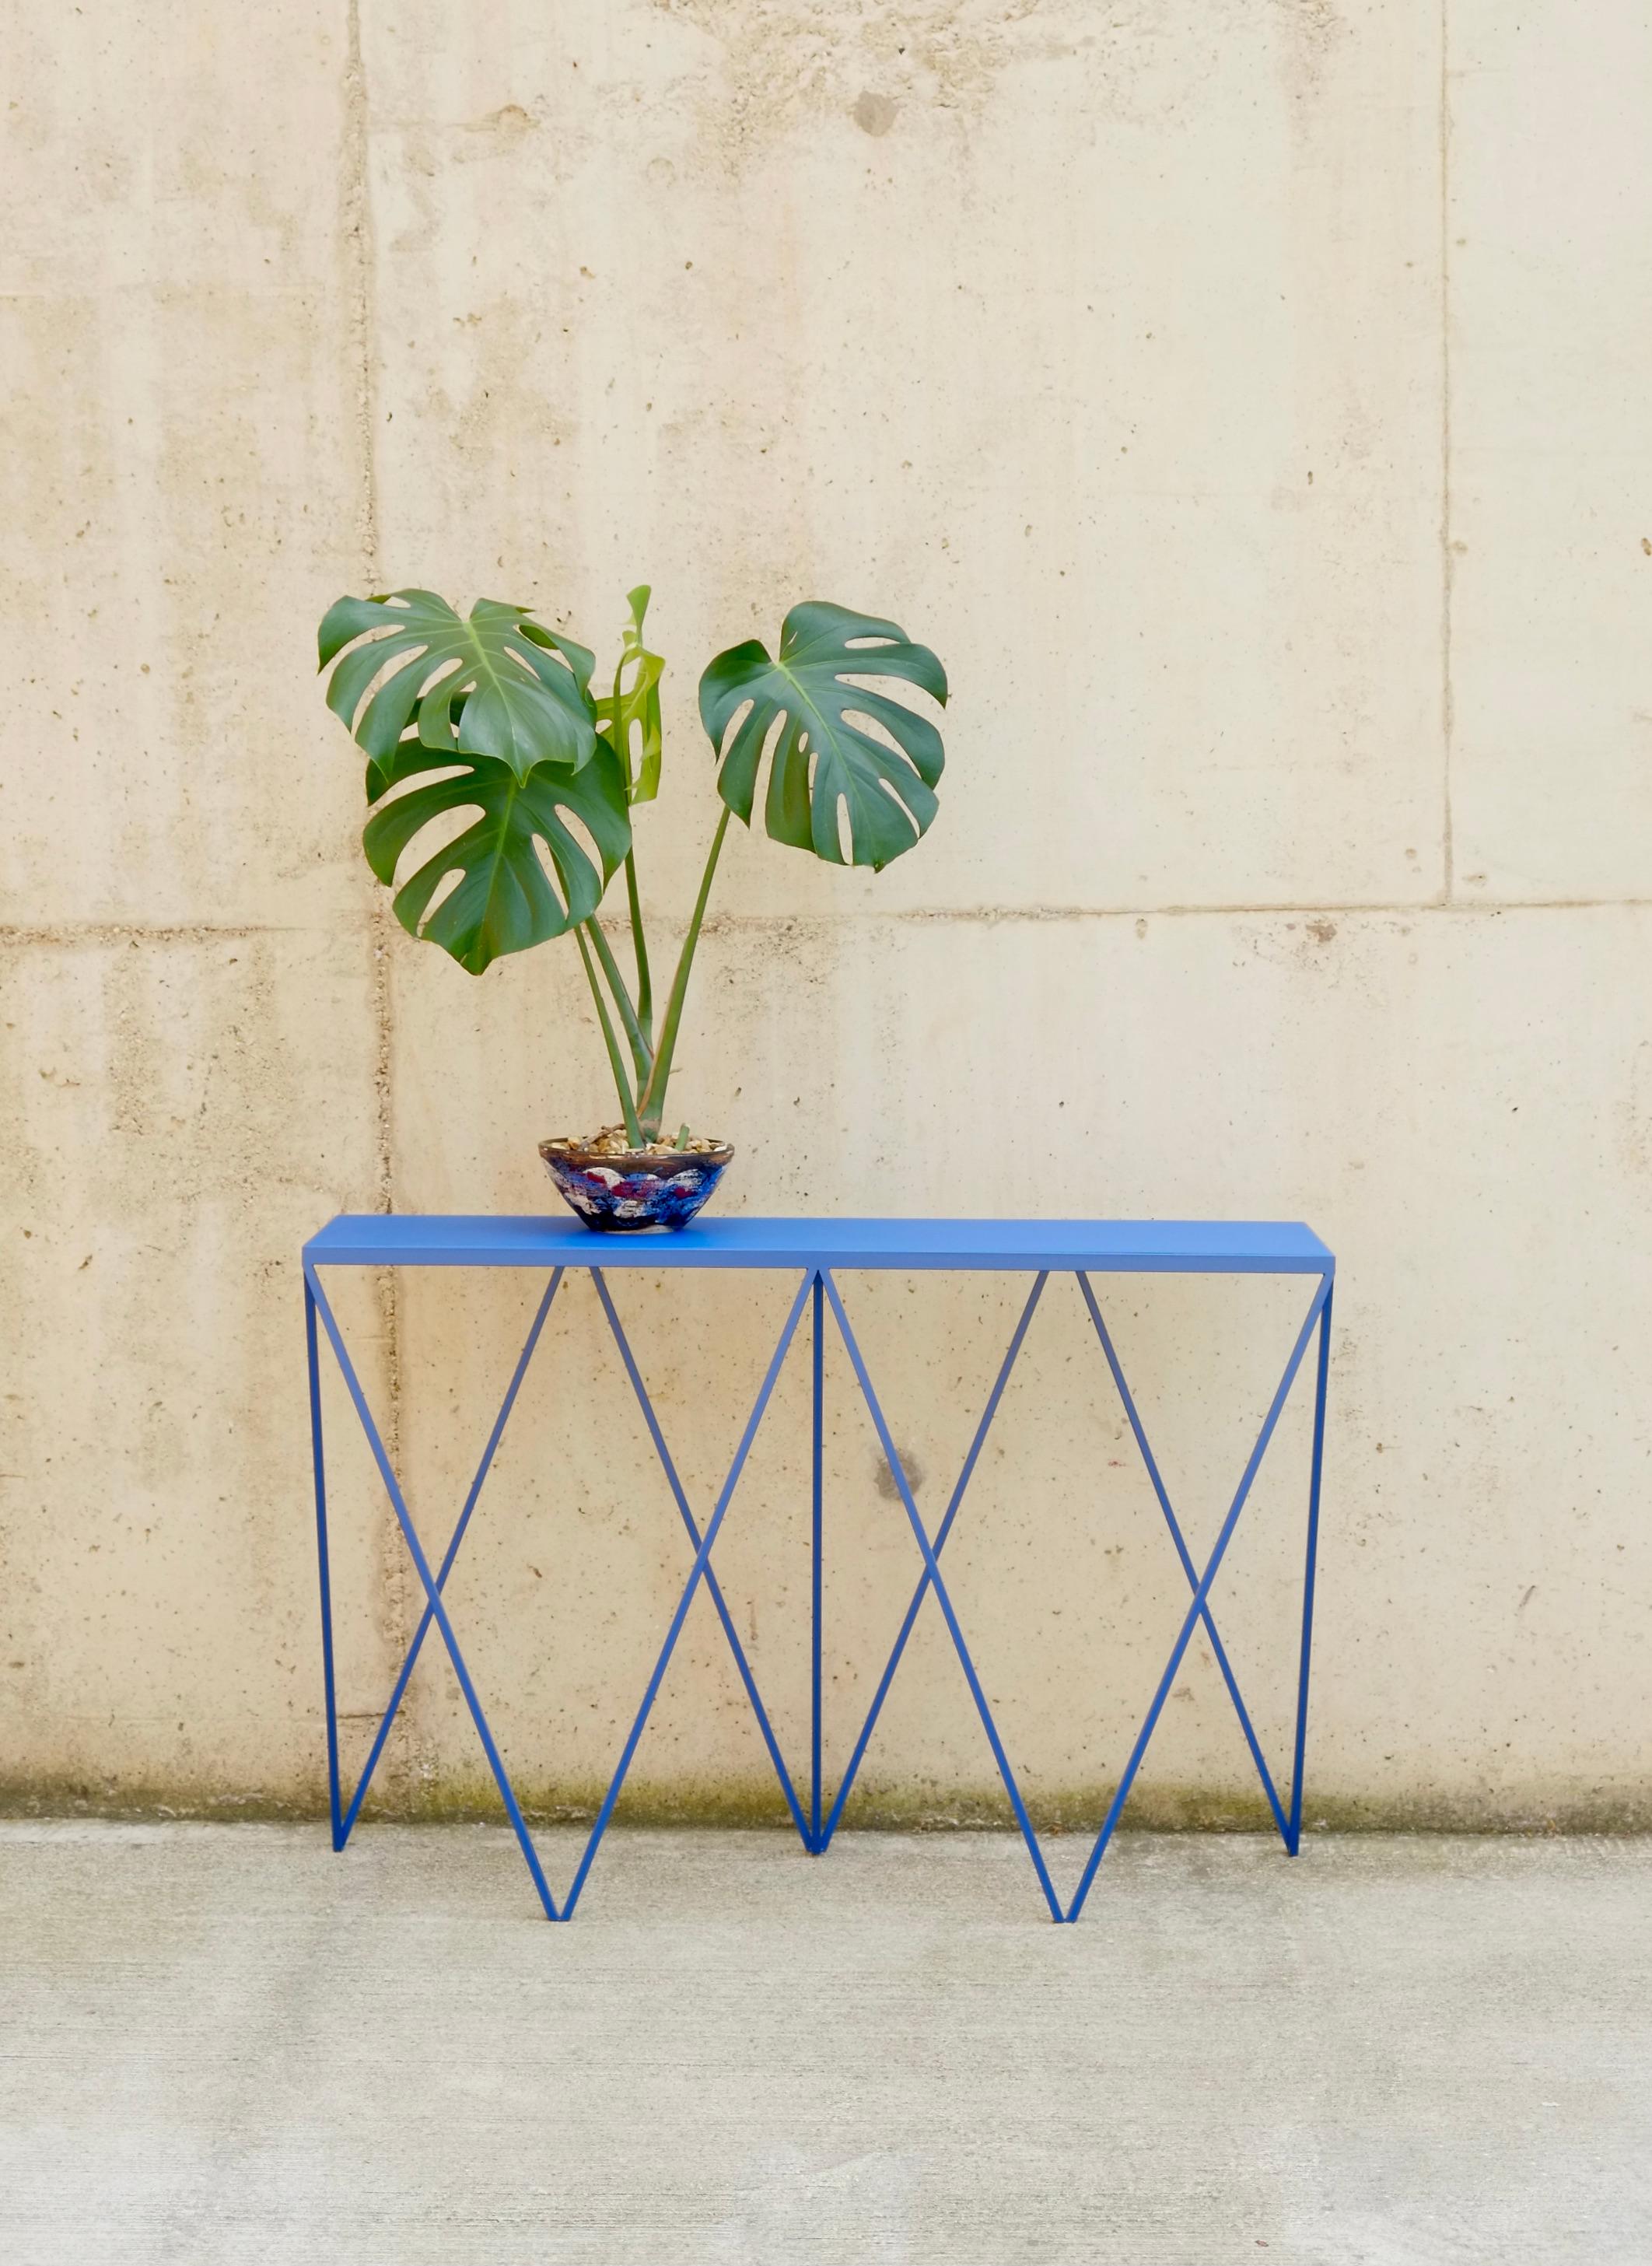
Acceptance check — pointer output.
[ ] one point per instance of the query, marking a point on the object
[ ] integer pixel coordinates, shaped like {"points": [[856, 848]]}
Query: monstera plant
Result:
{"points": [[503, 794]]}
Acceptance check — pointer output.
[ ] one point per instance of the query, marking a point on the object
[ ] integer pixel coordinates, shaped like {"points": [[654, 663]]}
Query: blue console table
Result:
{"points": [[817, 1251]]}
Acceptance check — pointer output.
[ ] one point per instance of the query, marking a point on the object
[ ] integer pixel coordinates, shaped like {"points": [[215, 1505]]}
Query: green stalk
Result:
{"points": [[651, 1101], [622, 743], [641, 1052], [644, 989], [615, 1060]]}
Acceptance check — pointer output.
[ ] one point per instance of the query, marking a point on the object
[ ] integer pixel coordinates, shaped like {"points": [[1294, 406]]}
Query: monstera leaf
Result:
{"points": [[826, 765], [504, 900], [629, 718], [497, 684]]}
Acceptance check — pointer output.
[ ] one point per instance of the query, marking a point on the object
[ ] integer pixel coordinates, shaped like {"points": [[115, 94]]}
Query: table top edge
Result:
{"points": [[503, 1239]]}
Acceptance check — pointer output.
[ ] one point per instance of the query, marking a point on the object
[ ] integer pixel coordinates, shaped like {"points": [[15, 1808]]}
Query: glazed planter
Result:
{"points": [[619, 1192]]}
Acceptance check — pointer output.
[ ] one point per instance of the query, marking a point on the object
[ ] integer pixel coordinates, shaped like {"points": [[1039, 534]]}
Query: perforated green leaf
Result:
{"points": [[828, 773], [524, 876], [629, 718], [495, 683]]}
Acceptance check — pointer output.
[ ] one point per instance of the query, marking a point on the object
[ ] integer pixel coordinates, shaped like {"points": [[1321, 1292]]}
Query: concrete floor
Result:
{"points": [[224, 2045]]}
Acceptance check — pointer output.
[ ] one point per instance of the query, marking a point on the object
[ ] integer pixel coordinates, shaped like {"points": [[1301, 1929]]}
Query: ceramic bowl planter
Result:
{"points": [[618, 1191]]}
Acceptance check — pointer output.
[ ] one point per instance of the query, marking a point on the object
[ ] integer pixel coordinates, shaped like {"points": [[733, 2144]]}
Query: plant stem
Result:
{"points": [[641, 1052], [615, 1060], [651, 1101], [644, 989], [622, 743]]}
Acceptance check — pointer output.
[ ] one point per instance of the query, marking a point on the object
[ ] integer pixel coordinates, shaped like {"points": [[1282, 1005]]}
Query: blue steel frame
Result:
{"points": [[820, 1249]]}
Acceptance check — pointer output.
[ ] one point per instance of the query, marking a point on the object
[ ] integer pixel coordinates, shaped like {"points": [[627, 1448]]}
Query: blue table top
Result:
{"points": [[1126, 1246]]}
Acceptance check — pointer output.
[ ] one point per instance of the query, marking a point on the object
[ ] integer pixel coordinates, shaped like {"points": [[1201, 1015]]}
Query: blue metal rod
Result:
{"points": [[892, 1458], [410, 1536], [1186, 1556], [452, 1552], [816, 1844], [701, 1558], [712, 1583], [319, 1459], [1200, 1592], [1293, 1840], [941, 1532]]}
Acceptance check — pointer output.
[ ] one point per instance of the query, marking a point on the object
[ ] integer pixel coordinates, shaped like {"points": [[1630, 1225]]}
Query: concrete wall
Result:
{"points": [[1247, 398]]}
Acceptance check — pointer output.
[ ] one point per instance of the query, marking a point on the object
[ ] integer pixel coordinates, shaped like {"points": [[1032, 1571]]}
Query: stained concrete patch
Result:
{"points": [[875, 114], [225, 2045]]}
